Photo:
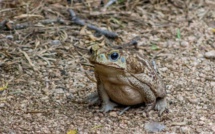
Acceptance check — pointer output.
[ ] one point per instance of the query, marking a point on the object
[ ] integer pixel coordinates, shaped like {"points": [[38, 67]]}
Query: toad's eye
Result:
{"points": [[114, 56], [91, 51]]}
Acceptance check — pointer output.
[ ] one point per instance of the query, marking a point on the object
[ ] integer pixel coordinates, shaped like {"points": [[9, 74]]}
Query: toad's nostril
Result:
{"points": [[122, 59], [91, 50]]}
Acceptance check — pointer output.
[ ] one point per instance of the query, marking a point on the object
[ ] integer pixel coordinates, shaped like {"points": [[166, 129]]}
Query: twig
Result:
{"points": [[210, 78], [90, 78], [173, 3], [35, 112], [125, 109], [76, 46], [78, 21], [28, 59], [50, 21], [110, 2], [21, 26], [5, 25], [133, 42]]}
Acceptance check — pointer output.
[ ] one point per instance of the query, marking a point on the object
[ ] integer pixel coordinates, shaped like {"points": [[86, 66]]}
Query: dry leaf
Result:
{"points": [[72, 132]]}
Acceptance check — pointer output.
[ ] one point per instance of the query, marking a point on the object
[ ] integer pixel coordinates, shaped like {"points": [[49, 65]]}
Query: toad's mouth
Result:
{"points": [[113, 66]]}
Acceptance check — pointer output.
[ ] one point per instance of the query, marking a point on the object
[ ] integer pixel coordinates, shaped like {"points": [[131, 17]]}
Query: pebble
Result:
{"points": [[210, 54], [113, 114], [185, 130], [2, 105], [164, 69], [213, 84], [9, 37], [59, 91], [154, 127], [213, 128], [193, 100], [55, 42], [180, 98], [144, 114], [184, 44]]}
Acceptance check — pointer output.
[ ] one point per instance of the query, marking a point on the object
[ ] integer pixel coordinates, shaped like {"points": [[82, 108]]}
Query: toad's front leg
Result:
{"points": [[107, 104]]}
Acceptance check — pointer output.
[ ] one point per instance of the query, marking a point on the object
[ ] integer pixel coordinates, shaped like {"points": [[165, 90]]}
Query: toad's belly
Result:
{"points": [[123, 94]]}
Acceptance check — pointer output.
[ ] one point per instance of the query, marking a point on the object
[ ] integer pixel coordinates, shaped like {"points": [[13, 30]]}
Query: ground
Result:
{"points": [[43, 75]]}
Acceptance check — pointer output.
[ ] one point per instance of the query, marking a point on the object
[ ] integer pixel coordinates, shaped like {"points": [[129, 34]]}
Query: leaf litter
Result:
{"points": [[42, 68]]}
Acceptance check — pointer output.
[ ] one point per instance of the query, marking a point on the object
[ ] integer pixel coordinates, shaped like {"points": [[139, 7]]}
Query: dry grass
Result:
{"points": [[42, 75]]}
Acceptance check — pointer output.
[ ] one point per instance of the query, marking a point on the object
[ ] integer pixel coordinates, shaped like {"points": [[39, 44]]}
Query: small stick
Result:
{"points": [[133, 42], [81, 22], [5, 25], [125, 109], [110, 2]]}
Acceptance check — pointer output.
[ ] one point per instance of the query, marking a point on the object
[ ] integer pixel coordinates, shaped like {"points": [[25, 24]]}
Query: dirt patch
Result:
{"points": [[42, 74]]}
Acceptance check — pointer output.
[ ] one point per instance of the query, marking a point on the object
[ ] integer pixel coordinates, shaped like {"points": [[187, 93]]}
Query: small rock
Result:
{"points": [[55, 42], [180, 98], [199, 55], [185, 130], [9, 37], [154, 127], [213, 84], [184, 44], [164, 69], [144, 114], [213, 128], [192, 38], [113, 114], [59, 91], [96, 118], [2, 105], [210, 54], [201, 123], [193, 100], [69, 96]]}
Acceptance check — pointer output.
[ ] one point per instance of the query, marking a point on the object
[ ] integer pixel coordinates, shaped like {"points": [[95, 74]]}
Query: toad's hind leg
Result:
{"points": [[161, 105], [147, 94]]}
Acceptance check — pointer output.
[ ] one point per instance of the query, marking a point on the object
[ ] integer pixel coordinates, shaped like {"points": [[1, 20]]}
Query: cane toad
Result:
{"points": [[126, 78]]}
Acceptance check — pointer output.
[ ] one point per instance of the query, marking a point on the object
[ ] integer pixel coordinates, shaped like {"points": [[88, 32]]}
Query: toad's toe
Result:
{"points": [[108, 106], [161, 105]]}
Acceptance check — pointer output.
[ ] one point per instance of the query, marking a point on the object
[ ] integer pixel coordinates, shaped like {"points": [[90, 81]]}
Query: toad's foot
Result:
{"points": [[107, 106], [93, 99], [161, 106]]}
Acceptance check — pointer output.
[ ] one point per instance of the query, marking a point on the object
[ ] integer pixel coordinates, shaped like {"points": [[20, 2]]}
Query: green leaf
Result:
{"points": [[178, 34], [154, 47], [97, 127], [121, 1]]}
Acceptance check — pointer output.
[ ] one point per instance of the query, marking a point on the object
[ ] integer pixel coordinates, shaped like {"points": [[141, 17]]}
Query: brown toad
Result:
{"points": [[126, 78]]}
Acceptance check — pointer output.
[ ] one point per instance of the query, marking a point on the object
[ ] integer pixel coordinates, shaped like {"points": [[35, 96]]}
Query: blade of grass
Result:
{"points": [[178, 33], [154, 47]]}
